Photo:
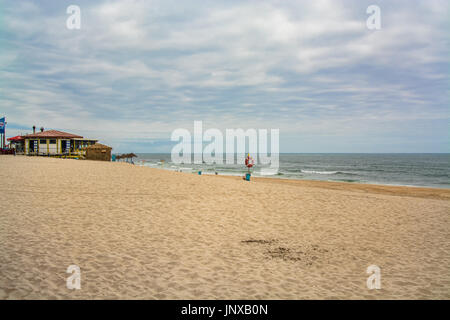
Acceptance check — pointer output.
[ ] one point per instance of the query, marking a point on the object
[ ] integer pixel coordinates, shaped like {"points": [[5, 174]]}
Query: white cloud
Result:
{"points": [[149, 67]]}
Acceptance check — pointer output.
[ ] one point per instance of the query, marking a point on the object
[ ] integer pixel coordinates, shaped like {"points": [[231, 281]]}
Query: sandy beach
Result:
{"points": [[143, 233]]}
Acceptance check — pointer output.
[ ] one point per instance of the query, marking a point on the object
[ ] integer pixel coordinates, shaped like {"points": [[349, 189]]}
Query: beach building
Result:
{"points": [[99, 152], [53, 142]]}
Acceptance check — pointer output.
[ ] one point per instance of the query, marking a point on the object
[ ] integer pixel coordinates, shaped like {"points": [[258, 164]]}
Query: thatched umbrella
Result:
{"points": [[126, 156]]}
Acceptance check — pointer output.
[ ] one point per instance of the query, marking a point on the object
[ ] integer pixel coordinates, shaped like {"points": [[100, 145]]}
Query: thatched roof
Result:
{"points": [[98, 146], [126, 155]]}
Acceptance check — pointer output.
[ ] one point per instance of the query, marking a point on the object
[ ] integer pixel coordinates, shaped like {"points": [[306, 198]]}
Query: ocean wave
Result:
{"points": [[148, 164], [346, 180], [269, 172], [329, 172], [319, 172]]}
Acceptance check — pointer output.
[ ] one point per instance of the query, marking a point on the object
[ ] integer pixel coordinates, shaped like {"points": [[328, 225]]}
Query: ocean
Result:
{"points": [[427, 170]]}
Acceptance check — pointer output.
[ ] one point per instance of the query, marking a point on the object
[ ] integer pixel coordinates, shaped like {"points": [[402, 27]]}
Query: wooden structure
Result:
{"points": [[99, 152]]}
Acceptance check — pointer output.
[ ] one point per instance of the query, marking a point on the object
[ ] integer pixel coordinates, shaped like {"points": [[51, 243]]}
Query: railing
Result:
{"points": [[78, 154]]}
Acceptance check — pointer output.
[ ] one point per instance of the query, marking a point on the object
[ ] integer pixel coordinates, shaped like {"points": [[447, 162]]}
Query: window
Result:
{"points": [[43, 141], [53, 141]]}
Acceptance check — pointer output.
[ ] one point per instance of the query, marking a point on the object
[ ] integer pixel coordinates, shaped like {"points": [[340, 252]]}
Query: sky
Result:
{"points": [[137, 70]]}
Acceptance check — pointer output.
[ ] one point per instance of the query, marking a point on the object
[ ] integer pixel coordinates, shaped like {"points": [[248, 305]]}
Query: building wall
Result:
{"points": [[52, 147], [42, 146], [63, 144], [27, 146], [98, 154], [47, 146]]}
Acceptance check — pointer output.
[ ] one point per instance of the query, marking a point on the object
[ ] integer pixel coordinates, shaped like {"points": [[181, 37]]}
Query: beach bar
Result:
{"points": [[53, 142]]}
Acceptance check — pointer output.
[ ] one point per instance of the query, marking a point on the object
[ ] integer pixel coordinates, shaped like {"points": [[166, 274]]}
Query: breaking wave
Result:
{"points": [[269, 172], [320, 172]]}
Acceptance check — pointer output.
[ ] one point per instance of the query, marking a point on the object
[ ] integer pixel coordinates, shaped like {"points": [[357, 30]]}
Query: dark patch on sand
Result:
{"points": [[304, 254], [261, 241]]}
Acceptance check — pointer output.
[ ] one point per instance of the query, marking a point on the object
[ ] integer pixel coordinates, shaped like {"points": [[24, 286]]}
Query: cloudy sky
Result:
{"points": [[137, 70]]}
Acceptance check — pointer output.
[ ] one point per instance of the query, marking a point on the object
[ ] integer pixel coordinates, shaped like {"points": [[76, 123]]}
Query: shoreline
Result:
{"points": [[309, 180], [412, 191], [400, 190], [378, 188], [335, 175]]}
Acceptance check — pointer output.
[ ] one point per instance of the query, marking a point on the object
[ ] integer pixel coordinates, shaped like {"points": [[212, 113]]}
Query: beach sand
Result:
{"points": [[139, 232]]}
